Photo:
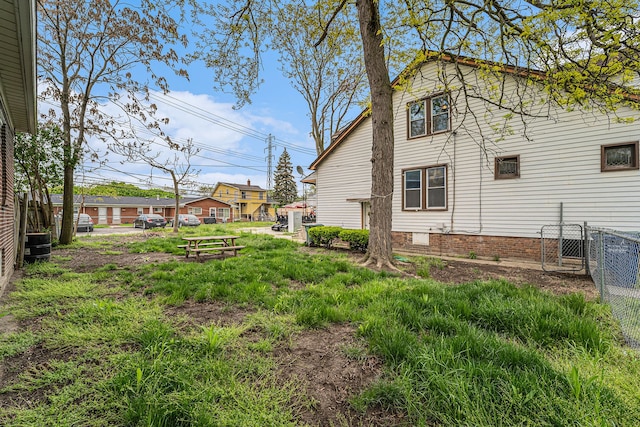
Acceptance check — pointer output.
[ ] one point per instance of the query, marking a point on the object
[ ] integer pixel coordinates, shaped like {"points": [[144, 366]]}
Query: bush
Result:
{"points": [[323, 235], [358, 239]]}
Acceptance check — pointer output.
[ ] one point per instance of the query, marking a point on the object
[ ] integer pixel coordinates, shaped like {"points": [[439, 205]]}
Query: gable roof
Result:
{"points": [[18, 65], [241, 187], [430, 57]]}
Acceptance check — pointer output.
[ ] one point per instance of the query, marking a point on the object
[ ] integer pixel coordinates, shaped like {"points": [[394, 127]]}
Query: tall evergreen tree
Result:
{"points": [[285, 190]]}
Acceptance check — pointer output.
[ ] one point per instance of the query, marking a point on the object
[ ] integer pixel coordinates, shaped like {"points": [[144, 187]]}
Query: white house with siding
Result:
{"points": [[470, 175]]}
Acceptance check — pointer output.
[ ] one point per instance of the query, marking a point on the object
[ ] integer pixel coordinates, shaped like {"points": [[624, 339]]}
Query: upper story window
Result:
{"points": [[507, 167], [425, 188], [260, 195], [429, 116], [244, 195], [618, 157]]}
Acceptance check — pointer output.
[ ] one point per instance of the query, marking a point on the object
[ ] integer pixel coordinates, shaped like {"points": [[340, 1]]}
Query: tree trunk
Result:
{"points": [[66, 232], [380, 249], [176, 192]]}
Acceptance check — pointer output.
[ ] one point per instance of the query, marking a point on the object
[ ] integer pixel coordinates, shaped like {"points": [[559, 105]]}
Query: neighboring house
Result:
{"points": [[124, 209], [461, 185], [17, 113], [250, 202]]}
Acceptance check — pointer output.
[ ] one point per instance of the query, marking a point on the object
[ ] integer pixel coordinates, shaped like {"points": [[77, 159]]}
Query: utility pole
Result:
{"points": [[269, 149]]}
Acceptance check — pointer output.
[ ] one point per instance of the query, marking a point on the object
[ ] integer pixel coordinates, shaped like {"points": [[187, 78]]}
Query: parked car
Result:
{"points": [[186, 220], [85, 223], [149, 221]]}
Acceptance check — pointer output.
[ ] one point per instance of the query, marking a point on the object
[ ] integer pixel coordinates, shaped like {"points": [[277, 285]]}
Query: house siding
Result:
{"points": [[559, 156], [250, 207], [342, 176], [7, 209], [129, 207]]}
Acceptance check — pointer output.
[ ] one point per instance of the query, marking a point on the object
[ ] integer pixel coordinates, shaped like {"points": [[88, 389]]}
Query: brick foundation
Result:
{"points": [[463, 244]]}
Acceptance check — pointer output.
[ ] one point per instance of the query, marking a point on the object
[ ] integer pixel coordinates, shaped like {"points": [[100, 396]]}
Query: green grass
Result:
{"points": [[477, 354]]}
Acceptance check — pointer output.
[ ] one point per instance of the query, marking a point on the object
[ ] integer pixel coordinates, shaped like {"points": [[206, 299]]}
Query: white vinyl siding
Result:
{"points": [[343, 179], [559, 159], [558, 164]]}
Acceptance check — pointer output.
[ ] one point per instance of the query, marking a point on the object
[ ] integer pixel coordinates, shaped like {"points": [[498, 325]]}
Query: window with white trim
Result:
{"points": [[224, 213], [140, 211], [195, 210], [425, 188], [413, 189], [212, 212], [429, 116]]}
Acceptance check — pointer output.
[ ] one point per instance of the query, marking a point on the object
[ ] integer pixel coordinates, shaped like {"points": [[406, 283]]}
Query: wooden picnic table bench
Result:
{"points": [[219, 244]]}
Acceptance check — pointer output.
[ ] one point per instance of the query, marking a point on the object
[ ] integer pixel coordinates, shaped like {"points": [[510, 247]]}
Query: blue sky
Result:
{"points": [[232, 142]]}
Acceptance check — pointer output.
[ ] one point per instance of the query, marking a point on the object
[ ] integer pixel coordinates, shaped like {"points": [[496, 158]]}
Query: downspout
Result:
{"points": [[453, 178]]}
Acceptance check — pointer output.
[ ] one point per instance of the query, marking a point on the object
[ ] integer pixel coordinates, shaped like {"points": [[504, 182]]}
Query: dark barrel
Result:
{"points": [[37, 247]]}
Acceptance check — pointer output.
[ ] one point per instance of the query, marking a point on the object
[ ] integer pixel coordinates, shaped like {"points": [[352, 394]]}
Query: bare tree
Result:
{"points": [[330, 76], [577, 54], [176, 163], [88, 54]]}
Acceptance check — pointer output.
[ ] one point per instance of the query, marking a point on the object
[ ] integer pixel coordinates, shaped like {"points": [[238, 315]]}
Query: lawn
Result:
{"points": [[124, 331]]}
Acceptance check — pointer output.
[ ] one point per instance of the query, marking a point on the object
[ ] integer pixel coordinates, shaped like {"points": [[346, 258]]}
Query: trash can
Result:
{"points": [[306, 231], [621, 261]]}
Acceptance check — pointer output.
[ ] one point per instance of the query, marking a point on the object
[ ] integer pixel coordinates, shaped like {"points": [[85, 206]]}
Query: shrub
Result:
{"points": [[358, 239], [324, 235]]}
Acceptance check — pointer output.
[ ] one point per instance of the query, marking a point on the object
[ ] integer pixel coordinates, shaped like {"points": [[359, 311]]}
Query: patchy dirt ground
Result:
{"points": [[325, 363]]}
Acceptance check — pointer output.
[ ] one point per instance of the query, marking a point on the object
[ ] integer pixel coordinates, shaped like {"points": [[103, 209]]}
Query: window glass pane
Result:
{"points": [[412, 199], [619, 157], [412, 179], [508, 166], [440, 113], [436, 194], [436, 198], [417, 119], [436, 177], [416, 111], [413, 189]]}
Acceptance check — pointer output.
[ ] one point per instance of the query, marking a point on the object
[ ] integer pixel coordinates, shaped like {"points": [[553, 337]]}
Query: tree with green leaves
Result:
{"points": [[330, 77], [575, 54], [91, 54], [38, 166], [284, 189]]}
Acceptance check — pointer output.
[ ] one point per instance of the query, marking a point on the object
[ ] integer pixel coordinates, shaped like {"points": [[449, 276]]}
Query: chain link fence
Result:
{"points": [[613, 261]]}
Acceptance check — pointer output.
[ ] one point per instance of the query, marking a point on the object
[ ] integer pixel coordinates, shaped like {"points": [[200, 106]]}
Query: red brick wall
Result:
{"points": [[463, 244], [206, 204], [7, 208]]}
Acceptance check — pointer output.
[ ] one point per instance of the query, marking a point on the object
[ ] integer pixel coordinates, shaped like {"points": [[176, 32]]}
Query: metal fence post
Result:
{"points": [[586, 248], [601, 267]]}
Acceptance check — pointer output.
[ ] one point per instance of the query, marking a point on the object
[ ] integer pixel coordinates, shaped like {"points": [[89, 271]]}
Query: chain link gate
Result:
{"points": [[562, 248]]}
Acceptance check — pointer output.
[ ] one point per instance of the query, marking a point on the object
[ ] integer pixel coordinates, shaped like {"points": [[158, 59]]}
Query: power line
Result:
{"points": [[227, 123]]}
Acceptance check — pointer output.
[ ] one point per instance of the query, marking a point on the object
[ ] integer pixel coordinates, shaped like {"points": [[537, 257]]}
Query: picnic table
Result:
{"points": [[220, 244]]}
